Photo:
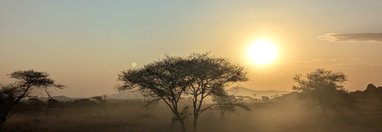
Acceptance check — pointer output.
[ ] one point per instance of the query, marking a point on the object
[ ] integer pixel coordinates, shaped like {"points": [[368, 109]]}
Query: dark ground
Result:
{"points": [[286, 114]]}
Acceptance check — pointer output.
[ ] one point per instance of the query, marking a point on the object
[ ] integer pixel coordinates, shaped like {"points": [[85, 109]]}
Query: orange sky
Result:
{"points": [[84, 45]]}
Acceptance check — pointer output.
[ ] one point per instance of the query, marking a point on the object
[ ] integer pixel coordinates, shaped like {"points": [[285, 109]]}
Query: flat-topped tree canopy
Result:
{"points": [[197, 76], [34, 79]]}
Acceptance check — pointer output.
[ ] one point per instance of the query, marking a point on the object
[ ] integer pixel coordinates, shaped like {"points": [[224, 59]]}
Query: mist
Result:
{"points": [[286, 112]]}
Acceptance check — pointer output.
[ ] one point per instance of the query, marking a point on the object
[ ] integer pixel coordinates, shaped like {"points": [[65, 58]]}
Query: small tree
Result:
{"points": [[163, 80], [53, 103], [100, 99], [325, 89], [209, 76], [27, 82]]}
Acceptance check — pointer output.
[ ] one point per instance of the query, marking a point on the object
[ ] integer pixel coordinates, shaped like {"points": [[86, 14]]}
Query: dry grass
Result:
{"points": [[286, 116]]}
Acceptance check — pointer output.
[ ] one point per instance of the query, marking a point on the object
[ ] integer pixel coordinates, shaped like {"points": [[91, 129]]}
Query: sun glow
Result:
{"points": [[262, 52]]}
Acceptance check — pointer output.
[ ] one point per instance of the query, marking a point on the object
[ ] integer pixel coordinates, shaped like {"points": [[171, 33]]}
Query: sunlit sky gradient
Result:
{"points": [[85, 44]]}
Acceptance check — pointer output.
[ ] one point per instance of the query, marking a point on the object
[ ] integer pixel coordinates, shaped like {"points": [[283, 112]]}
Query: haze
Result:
{"points": [[85, 44]]}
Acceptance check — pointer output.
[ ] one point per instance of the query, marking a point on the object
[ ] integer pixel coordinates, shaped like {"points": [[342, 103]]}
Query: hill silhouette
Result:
{"points": [[243, 91], [371, 91]]}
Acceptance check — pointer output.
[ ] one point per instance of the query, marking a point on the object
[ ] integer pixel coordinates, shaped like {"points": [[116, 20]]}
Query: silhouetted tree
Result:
{"points": [[164, 80], [53, 102], [100, 99], [84, 102], [209, 75], [325, 89], [265, 99], [35, 104], [198, 76], [27, 82]]}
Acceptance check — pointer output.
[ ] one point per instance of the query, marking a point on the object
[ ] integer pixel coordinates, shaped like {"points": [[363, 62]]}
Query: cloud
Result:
{"points": [[336, 63], [331, 62], [352, 37]]}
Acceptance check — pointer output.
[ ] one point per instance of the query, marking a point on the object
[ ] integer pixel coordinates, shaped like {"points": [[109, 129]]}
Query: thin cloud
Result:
{"points": [[332, 62], [337, 63], [352, 37]]}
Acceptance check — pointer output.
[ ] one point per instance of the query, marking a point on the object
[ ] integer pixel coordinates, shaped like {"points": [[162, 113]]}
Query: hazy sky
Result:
{"points": [[85, 44]]}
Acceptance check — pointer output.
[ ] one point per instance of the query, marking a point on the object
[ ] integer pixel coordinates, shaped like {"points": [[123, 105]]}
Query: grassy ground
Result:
{"points": [[289, 115]]}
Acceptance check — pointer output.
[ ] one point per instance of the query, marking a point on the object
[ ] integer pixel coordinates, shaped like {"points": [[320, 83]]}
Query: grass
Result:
{"points": [[287, 115]]}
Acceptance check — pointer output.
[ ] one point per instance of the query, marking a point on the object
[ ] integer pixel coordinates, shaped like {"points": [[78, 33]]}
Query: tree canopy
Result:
{"points": [[320, 80], [209, 76], [170, 79], [161, 80], [325, 89]]}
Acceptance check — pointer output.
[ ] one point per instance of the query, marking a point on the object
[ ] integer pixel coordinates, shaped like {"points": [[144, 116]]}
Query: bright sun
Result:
{"points": [[262, 52]]}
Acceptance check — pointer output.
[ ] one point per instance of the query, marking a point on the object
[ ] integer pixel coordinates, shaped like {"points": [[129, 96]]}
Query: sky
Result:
{"points": [[86, 44]]}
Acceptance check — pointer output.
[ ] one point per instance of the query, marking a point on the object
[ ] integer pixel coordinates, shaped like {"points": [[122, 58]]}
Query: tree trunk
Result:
{"points": [[222, 114], [182, 125], [3, 118], [195, 123]]}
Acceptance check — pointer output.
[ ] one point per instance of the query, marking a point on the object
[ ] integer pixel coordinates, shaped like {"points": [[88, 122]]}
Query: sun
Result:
{"points": [[262, 52]]}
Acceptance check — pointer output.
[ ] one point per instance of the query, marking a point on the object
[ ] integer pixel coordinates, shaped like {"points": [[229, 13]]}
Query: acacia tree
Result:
{"points": [[163, 80], [198, 75], [27, 82], [325, 89], [209, 76]]}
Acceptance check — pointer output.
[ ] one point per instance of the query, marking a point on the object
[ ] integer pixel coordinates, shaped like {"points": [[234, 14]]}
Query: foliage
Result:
{"points": [[163, 80], [53, 102], [325, 89], [319, 80], [84, 102], [169, 79], [209, 76], [100, 99]]}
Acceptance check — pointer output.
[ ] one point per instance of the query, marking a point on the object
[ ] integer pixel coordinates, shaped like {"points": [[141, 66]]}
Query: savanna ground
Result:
{"points": [[286, 114]]}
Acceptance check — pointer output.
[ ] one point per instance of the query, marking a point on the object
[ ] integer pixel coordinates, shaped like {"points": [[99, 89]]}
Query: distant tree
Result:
{"points": [[325, 89], [84, 102], [265, 99], [27, 82], [209, 75], [53, 102], [164, 80], [36, 102], [100, 99], [229, 103]]}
